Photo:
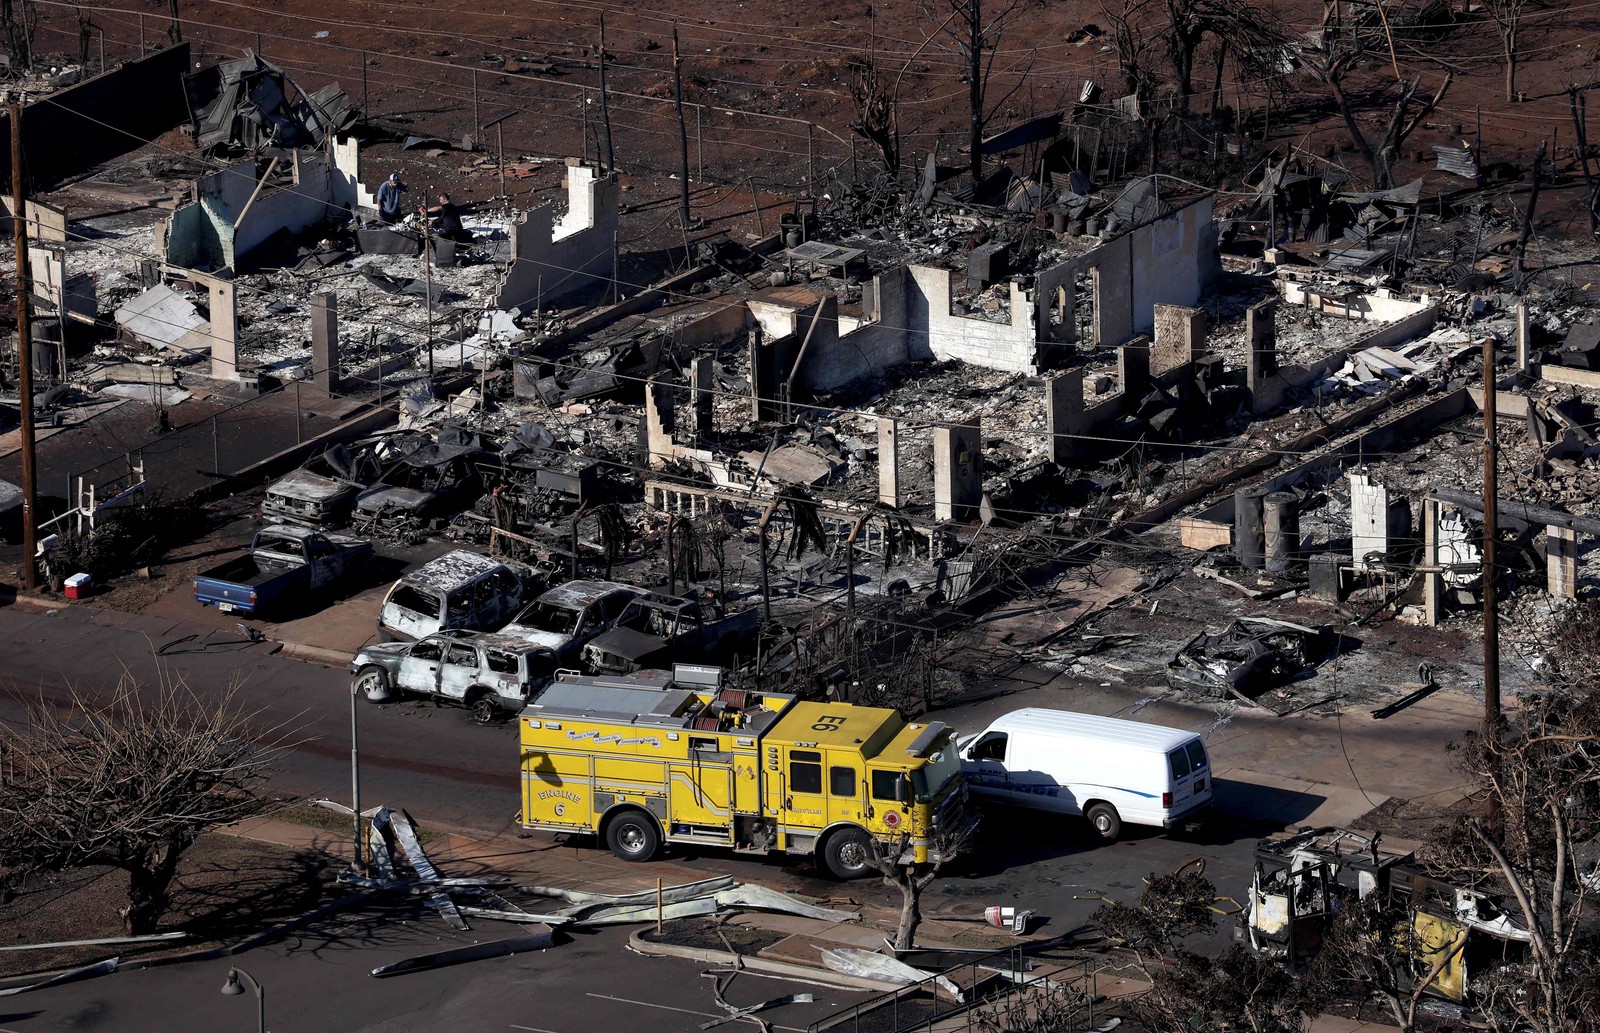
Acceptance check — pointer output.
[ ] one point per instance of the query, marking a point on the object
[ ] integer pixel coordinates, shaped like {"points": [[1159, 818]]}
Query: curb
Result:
{"points": [[806, 973], [315, 654], [39, 602]]}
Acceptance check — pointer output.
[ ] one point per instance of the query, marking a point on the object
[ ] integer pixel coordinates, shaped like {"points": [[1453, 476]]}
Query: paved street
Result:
{"points": [[452, 773], [588, 982]]}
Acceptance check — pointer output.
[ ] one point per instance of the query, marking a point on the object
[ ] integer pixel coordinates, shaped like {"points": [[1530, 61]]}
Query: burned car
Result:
{"points": [[489, 674], [424, 488], [1246, 658], [655, 633], [564, 618], [459, 590], [322, 493]]}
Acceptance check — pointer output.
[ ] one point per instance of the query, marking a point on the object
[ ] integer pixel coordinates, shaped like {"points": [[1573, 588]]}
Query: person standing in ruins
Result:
{"points": [[389, 195]]}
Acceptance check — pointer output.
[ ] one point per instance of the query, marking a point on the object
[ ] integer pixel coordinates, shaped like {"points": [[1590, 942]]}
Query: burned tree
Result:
{"points": [[1507, 18], [129, 781], [1127, 18], [1340, 48], [1533, 843], [19, 23], [976, 37], [877, 113], [889, 859], [1369, 947]]}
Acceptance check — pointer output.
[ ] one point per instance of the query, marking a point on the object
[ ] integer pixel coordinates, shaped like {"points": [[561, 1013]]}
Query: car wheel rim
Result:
{"points": [[632, 838], [370, 684], [1102, 823], [852, 856]]}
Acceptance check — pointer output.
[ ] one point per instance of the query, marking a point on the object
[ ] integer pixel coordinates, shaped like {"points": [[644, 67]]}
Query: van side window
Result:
{"points": [[991, 747], [842, 781], [1197, 755], [427, 651], [883, 783], [462, 656], [805, 772], [502, 663], [1180, 763]]}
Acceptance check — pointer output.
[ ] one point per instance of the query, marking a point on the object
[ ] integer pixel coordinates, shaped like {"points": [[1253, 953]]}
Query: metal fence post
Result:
{"points": [[216, 449], [298, 438]]}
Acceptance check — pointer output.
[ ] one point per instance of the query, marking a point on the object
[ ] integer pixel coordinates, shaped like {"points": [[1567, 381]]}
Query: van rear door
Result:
{"points": [[1191, 776]]}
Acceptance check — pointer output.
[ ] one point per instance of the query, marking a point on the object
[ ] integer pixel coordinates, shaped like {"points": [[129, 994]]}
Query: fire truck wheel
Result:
{"points": [[373, 683], [847, 853], [633, 836], [1106, 821]]}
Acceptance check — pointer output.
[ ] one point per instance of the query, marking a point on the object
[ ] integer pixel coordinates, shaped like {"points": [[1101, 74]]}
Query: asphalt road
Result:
{"points": [[321, 981], [450, 772]]}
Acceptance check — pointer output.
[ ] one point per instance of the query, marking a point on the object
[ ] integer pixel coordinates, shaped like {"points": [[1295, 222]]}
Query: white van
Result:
{"points": [[1110, 771]]}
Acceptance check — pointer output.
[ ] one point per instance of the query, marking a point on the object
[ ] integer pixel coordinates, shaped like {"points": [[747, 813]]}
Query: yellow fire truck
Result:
{"points": [[659, 757]]}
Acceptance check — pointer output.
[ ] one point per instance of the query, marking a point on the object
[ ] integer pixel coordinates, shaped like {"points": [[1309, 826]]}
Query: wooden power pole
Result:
{"points": [[19, 233], [1491, 503], [683, 134], [975, 84], [605, 106]]}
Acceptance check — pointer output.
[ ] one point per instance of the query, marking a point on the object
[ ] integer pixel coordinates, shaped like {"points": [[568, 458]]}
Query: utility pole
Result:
{"points": [[1491, 503], [683, 135], [175, 30], [19, 233], [605, 107], [975, 83], [427, 265]]}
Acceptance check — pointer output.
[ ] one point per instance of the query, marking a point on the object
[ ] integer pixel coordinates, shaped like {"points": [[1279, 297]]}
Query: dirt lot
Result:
{"points": [[227, 888], [756, 76]]}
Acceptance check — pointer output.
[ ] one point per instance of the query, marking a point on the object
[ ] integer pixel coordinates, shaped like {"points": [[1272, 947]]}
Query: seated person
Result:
{"points": [[444, 219]]}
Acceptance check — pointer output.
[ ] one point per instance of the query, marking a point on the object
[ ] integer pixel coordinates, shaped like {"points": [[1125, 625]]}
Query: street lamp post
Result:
{"points": [[355, 782], [232, 989]]}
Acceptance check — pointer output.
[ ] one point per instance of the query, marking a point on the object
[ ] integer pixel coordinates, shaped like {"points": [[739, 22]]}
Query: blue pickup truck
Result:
{"points": [[285, 564]]}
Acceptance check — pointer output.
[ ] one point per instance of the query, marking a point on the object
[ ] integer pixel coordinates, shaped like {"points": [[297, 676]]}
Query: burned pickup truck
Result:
{"points": [[284, 564], [423, 490], [655, 633], [489, 674], [323, 492]]}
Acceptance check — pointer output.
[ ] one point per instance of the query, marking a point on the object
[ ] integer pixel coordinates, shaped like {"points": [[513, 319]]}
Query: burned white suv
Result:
{"points": [[492, 675]]}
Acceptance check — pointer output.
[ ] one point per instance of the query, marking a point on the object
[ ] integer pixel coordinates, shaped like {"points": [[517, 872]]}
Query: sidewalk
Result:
{"points": [[794, 954]]}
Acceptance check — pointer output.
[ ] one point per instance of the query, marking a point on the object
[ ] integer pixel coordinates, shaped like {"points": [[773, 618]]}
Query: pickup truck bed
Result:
{"points": [[284, 562]]}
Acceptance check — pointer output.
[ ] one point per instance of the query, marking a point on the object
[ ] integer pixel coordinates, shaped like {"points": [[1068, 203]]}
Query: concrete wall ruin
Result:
{"points": [[1168, 261], [77, 128], [553, 259], [235, 213]]}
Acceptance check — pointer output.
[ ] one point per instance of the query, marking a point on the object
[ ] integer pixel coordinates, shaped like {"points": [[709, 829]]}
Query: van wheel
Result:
{"points": [[633, 836], [373, 683], [1106, 821], [484, 711], [847, 853]]}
